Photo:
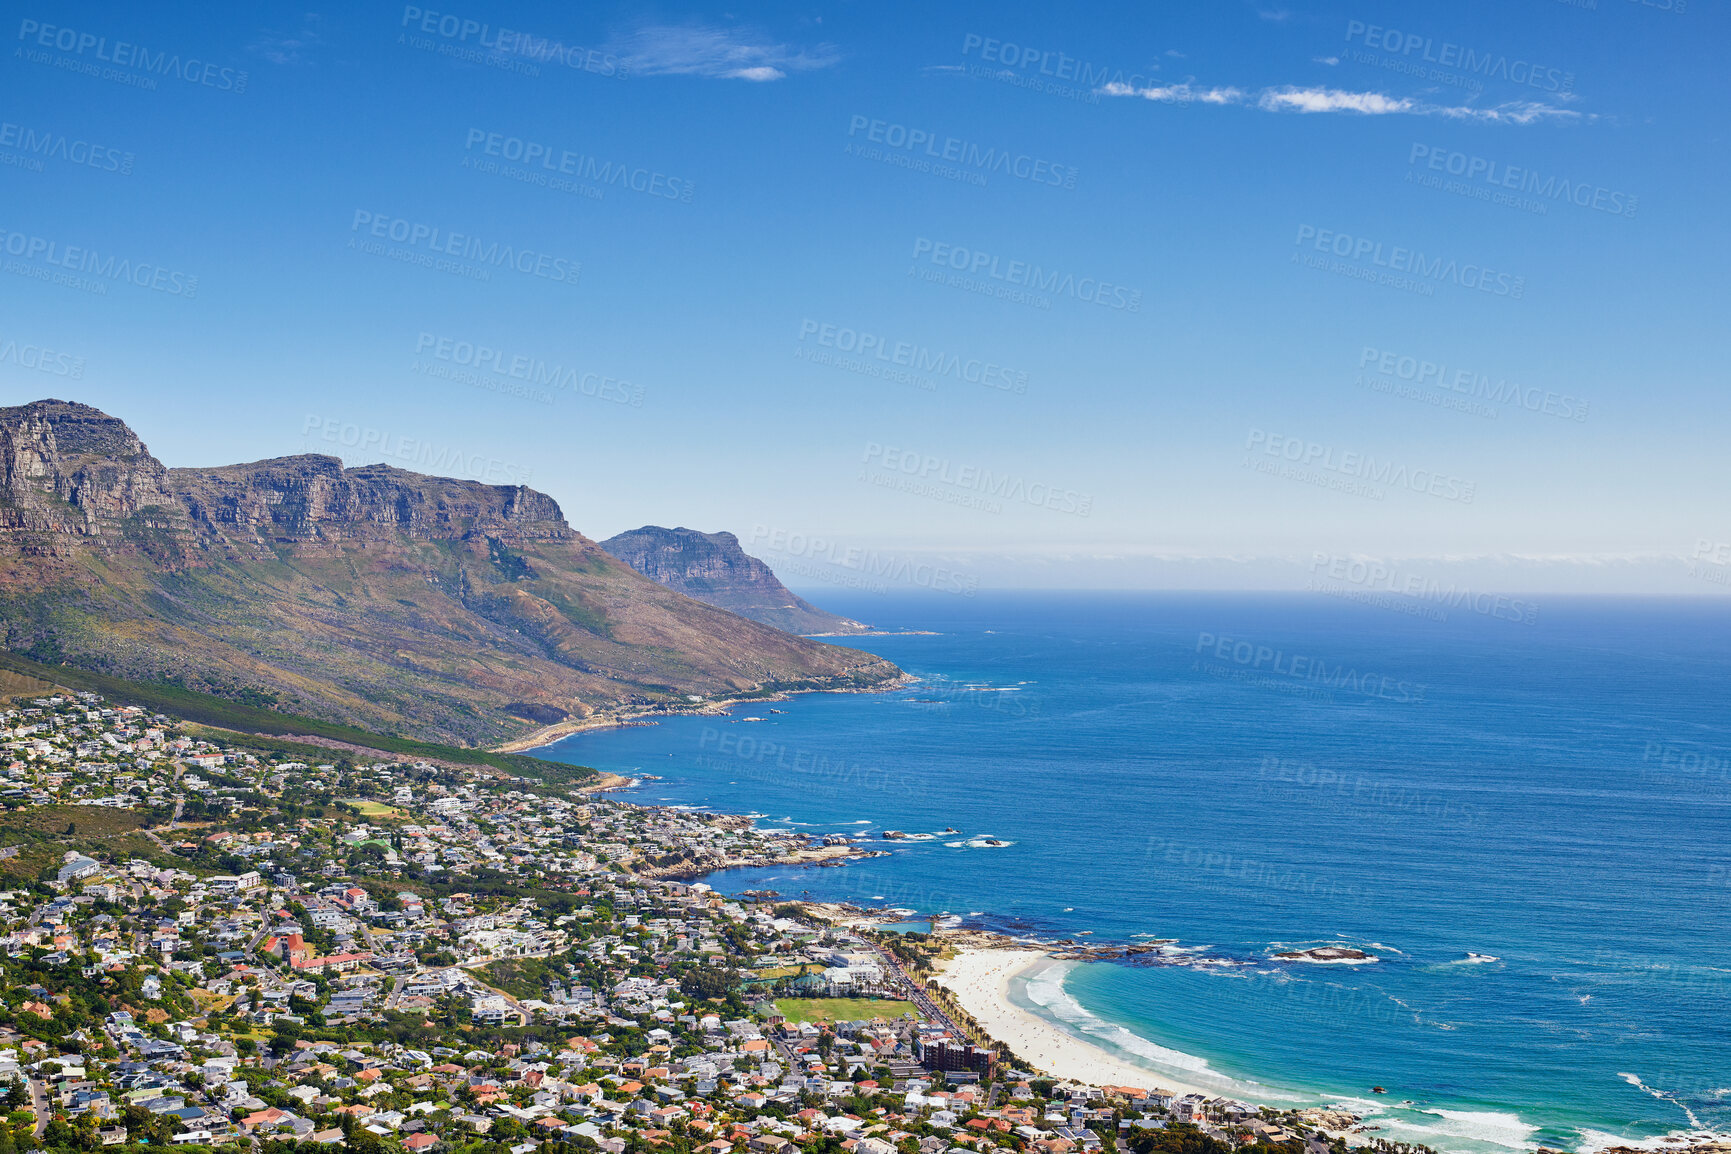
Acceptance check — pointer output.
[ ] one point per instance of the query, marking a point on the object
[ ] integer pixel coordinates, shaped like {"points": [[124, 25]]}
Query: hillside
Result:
{"points": [[432, 608], [714, 569]]}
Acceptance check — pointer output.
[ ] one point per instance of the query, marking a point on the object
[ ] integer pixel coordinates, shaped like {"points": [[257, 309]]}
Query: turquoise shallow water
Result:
{"points": [[1525, 824]]}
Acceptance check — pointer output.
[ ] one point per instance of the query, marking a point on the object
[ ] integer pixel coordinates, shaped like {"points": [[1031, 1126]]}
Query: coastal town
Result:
{"points": [[215, 943]]}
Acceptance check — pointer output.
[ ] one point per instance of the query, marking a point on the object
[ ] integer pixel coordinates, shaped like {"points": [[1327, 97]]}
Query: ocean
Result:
{"points": [[1520, 811]]}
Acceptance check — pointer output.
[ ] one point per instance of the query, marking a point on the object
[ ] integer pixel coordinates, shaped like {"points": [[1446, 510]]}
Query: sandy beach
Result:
{"points": [[980, 980], [559, 730]]}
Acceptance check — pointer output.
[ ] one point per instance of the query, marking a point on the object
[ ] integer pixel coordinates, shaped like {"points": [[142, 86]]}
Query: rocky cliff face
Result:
{"points": [[713, 568], [67, 468], [440, 608], [313, 497]]}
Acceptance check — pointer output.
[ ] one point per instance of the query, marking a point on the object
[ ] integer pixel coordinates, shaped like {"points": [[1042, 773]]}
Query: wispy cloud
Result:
{"points": [[290, 48], [1514, 112], [718, 53], [1291, 98]]}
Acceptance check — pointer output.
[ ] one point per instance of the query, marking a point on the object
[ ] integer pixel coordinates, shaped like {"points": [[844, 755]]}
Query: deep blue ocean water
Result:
{"points": [[1529, 825]]}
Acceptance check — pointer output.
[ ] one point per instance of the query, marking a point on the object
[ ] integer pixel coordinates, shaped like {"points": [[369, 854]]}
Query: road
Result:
{"points": [[179, 802], [39, 1103], [509, 1000], [179, 805], [917, 992]]}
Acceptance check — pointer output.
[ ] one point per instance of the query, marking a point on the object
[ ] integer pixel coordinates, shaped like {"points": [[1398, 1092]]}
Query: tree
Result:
{"points": [[708, 982], [360, 1140], [1178, 1138]]}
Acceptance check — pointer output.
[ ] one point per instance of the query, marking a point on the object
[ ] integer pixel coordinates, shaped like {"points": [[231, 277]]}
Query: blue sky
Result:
{"points": [[1180, 297]]}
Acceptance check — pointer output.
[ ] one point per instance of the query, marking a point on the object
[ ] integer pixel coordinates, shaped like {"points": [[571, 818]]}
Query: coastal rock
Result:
{"points": [[1337, 954], [1341, 1120]]}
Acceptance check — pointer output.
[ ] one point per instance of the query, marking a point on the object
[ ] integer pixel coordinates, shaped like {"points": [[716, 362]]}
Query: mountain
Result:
{"points": [[423, 606], [714, 569]]}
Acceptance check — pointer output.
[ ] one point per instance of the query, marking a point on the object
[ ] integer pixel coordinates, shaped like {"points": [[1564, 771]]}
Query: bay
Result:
{"points": [[1524, 821]]}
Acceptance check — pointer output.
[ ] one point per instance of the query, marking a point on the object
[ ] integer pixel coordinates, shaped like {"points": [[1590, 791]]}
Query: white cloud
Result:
{"points": [[1291, 98], [718, 53]]}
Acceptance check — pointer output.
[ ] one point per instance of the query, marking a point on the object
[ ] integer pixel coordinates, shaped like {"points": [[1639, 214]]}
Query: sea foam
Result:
{"points": [[1045, 989], [1493, 1127]]}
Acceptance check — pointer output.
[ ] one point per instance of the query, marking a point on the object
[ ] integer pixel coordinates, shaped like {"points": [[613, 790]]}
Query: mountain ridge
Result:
{"points": [[371, 596]]}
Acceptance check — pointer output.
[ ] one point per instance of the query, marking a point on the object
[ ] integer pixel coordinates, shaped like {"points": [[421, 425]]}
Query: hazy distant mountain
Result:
{"points": [[374, 596], [714, 569]]}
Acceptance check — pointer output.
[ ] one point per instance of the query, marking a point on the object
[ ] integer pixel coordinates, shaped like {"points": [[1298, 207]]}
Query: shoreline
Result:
{"points": [[980, 978], [570, 727], [982, 972], [605, 783]]}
